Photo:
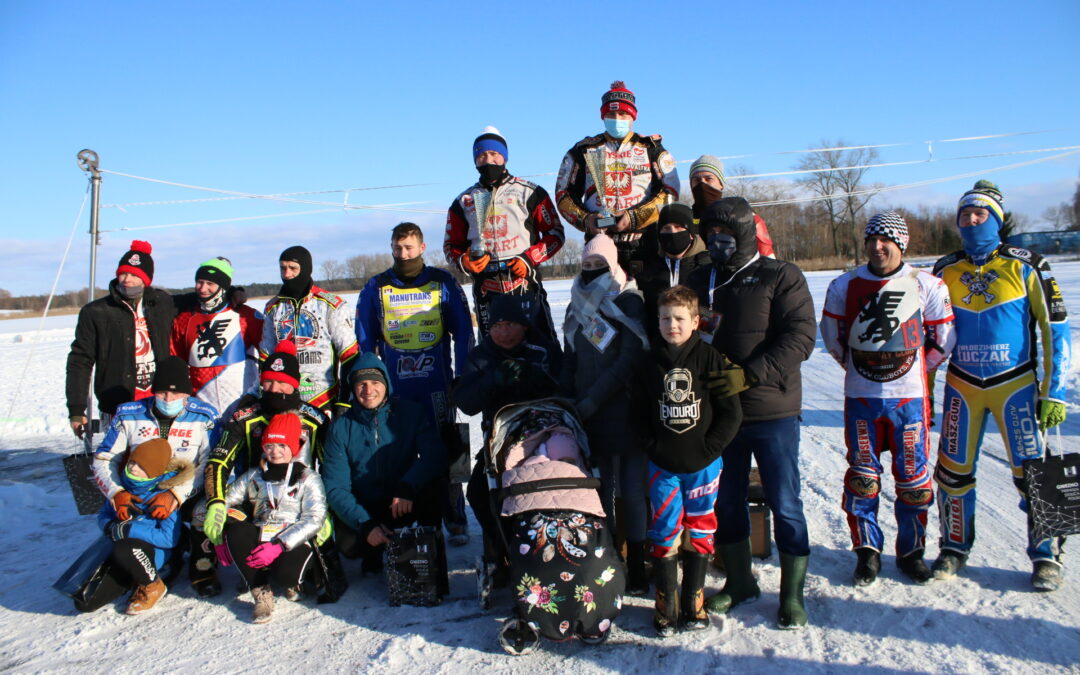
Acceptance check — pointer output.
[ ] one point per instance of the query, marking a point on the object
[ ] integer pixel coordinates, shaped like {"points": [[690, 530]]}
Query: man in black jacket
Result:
{"points": [[762, 318], [119, 337]]}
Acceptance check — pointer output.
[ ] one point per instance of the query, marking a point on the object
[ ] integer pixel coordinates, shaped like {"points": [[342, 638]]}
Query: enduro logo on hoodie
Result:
{"points": [[679, 407]]}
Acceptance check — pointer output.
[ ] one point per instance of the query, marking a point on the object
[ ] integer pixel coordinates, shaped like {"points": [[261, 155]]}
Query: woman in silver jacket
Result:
{"points": [[282, 506]]}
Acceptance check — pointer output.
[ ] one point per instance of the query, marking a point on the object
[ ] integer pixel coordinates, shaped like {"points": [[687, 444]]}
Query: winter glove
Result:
{"points": [[124, 503], [264, 554], [728, 381], [508, 373], [1051, 413], [223, 555], [216, 515], [518, 267], [118, 529], [474, 265], [161, 505]]}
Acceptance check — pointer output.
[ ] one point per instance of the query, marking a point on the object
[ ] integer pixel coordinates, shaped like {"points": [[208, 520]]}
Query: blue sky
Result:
{"points": [[274, 97]]}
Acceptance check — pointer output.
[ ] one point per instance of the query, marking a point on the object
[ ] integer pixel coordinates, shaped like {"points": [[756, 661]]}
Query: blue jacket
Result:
{"points": [[164, 534], [393, 320], [372, 456]]}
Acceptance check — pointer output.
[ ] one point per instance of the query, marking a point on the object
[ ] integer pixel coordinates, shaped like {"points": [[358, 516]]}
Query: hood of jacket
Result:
{"points": [[363, 362], [735, 214]]}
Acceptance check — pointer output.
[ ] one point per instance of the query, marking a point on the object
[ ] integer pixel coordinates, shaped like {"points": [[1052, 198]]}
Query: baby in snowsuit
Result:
{"points": [[285, 503], [142, 544]]}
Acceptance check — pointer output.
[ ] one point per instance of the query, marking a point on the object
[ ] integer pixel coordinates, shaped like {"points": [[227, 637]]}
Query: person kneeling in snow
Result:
{"points": [[287, 506], [142, 544]]}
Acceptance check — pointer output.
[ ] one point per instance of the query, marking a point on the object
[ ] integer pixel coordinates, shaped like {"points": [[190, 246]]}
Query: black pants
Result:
{"points": [[427, 510], [242, 537], [484, 507], [136, 558]]}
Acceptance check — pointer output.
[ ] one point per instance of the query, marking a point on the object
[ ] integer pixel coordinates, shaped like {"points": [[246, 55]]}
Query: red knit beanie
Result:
{"points": [[284, 429], [618, 99], [282, 365], [137, 261]]}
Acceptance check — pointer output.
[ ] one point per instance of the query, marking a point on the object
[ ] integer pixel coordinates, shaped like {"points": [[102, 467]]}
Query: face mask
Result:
{"points": [[408, 268], [491, 173], [980, 240], [130, 292], [705, 194], [589, 276], [617, 128], [170, 409], [675, 243], [721, 247], [274, 403], [298, 286], [214, 302]]}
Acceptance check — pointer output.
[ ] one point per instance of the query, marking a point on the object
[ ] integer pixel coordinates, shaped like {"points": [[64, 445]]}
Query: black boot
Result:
{"points": [[693, 591], [666, 617], [868, 566], [334, 583], [915, 567], [637, 579], [202, 566]]}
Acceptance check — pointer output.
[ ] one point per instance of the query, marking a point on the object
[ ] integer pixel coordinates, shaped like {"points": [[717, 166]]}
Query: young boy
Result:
{"points": [[693, 414]]}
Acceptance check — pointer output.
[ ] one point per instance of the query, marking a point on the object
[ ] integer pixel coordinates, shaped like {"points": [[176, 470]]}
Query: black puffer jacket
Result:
{"points": [[656, 278], [767, 323], [105, 342]]}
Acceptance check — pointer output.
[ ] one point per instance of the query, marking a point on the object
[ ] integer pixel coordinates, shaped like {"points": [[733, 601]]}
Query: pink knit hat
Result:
{"points": [[603, 246]]}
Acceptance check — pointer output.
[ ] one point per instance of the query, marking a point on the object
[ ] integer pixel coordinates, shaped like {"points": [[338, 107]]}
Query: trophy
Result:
{"points": [[481, 202], [594, 160]]}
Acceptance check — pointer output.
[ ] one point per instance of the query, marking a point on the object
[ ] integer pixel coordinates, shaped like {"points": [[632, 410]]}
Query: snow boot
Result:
{"points": [[666, 616], [692, 600], [637, 579], [741, 586], [868, 566], [292, 594], [264, 604], [948, 564], [145, 597], [202, 566], [915, 567], [1047, 575], [334, 581], [792, 612]]}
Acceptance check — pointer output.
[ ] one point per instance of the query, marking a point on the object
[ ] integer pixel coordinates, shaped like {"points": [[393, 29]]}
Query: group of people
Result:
{"points": [[277, 441]]}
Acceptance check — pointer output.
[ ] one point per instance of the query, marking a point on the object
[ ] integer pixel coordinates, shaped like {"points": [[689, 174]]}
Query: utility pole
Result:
{"points": [[88, 161]]}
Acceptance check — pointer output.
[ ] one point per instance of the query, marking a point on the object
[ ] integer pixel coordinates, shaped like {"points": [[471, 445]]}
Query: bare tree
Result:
{"points": [[332, 269], [837, 175]]}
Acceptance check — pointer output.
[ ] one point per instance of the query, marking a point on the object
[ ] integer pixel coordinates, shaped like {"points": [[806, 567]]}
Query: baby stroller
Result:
{"points": [[565, 574]]}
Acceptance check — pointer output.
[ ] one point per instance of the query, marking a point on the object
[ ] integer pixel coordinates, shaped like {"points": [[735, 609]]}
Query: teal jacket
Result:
{"points": [[372, 456]]}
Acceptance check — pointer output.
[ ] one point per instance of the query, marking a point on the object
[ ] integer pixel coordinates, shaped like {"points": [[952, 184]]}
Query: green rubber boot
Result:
{"points": [[792, 612], [741, 586]]}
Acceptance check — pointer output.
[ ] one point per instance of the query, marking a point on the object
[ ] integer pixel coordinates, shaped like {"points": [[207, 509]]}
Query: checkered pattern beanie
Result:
{"points": [[889, 224]]}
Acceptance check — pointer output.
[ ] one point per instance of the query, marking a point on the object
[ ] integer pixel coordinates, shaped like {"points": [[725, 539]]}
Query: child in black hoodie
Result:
{"points": [[693, 413]]}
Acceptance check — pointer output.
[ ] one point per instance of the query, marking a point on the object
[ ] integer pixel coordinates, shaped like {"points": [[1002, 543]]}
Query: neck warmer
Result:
{"points": [[274, 403], [980, 240], [408, 269]]}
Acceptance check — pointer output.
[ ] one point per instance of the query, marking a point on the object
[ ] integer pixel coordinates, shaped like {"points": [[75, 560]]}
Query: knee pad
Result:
{"points": [[862, 484], [953, 483], [915, 496]]}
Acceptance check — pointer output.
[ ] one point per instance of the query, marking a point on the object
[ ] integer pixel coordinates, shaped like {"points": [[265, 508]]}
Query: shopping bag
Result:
{"points": [[416, 567], [1052, 485]]}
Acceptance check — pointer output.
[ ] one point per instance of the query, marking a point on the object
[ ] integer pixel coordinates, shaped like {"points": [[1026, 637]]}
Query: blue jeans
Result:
{"points": [[775, 445]]}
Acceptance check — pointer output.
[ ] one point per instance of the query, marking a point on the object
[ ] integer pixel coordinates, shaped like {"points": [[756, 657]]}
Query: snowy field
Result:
{"points": [[987, 621]]}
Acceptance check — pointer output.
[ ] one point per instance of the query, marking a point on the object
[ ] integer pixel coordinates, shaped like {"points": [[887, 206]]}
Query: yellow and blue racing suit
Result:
{"points": [[998, 306]]}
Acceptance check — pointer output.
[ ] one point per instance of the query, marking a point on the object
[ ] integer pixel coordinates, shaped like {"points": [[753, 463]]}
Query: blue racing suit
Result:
{"points": [[999, 306]]}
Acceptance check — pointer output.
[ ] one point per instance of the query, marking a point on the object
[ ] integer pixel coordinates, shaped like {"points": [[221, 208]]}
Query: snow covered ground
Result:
{"points": [[987, 621]]}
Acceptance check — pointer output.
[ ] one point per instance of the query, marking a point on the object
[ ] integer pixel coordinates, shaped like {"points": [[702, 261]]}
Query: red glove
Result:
{"points": [[474, 265], [161, 505], [518, 267], [124, 503]]}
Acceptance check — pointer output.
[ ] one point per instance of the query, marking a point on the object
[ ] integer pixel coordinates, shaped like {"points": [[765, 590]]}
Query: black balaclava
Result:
{"points": [[735, 214], [275, 403], [300, 285]]}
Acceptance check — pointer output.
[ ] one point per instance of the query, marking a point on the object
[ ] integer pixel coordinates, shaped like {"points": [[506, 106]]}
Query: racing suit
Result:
{"points": [[519, 221], [887, 333], [215, 346], [321, 327], [639, 177], [999, 305]]}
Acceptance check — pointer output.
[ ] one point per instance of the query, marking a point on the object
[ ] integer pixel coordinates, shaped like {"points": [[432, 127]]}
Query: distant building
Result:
{"points": [[1048, 243]]}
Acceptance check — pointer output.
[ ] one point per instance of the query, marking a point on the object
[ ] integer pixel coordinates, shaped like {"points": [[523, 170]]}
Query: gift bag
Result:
{"points": [[93, 581], [80, 476], [416, 567], [1052, 485]]}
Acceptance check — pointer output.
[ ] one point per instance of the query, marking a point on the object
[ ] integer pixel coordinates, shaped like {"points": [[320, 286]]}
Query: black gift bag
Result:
{"points": [[93, 581], [80, 476], [416, 567], [1052, 484]]}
